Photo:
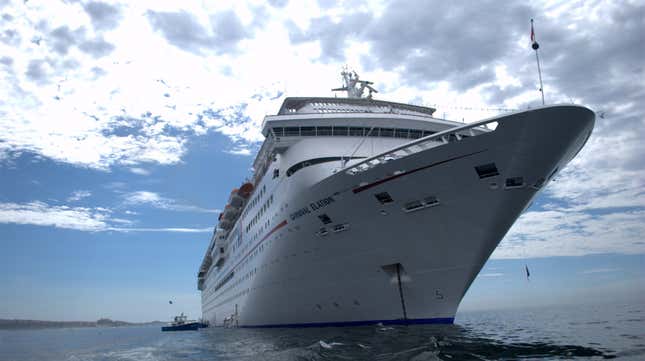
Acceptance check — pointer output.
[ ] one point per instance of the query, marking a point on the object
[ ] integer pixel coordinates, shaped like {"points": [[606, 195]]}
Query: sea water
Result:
{"points": [[562, 332]]}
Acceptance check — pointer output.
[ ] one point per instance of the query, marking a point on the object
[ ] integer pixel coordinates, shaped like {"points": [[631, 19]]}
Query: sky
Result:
{"points": [[124, 124]]}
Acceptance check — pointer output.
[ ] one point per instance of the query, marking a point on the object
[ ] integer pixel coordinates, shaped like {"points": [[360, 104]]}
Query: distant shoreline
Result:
{"points": [[16, 324]]}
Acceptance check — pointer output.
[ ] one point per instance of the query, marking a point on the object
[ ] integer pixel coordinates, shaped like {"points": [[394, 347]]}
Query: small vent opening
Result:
{"points": [[430, 201], [411, 206], [341, 227], [486, 170], [384, 197], [322, 232]]}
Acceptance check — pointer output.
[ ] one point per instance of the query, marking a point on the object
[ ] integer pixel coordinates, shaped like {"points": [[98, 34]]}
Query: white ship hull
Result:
{"points": [[379, 262]]}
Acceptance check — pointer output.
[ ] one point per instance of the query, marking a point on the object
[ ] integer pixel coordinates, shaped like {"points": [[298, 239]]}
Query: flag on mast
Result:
{"points": [[534, 44]]}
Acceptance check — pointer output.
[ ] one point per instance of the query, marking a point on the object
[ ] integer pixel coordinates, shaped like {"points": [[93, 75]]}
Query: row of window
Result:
{"points": [[261, 211], [350, 131], [255, 200]]}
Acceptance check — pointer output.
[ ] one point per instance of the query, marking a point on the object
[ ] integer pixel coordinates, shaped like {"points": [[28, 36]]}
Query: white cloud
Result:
{"points": [[169, 229], [95, 219], [78, 195], [599, 270], [239, 151], [566, 232], [42, 214], [157, 201], [142, 105], [139, 171], [491, 274]]}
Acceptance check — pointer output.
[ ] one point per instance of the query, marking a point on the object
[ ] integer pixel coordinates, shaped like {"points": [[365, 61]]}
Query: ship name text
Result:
{"points": [[313, 206]]}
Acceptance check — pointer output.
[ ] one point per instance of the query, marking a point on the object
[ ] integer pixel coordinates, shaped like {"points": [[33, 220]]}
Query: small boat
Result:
{"points": [[181, 323]]}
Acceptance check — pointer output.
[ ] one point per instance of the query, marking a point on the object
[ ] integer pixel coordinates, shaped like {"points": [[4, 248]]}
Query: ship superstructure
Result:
{"points": [[362, 211]]}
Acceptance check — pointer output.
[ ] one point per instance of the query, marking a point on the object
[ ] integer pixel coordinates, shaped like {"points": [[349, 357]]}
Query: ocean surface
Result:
{"points": [[549, 333]]}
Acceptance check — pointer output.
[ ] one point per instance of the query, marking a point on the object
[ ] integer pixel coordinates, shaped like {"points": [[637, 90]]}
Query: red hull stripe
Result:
{"points": [[280, 225]]}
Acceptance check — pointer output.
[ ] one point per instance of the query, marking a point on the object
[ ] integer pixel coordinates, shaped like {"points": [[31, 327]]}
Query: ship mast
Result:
{"points": [[354, 86]]}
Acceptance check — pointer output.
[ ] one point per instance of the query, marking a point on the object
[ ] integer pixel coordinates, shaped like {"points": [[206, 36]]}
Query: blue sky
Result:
{"points": [[124, 126]]}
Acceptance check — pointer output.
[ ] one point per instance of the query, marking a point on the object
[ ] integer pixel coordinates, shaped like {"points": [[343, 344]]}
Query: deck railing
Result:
{"points": [[447, 136]]}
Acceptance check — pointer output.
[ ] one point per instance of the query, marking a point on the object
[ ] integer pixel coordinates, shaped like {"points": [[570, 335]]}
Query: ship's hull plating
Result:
{"points": [[384, 264]]}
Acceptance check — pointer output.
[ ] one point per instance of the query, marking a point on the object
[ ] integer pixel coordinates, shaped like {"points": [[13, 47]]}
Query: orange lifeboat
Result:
{"points": [[245, 190]]}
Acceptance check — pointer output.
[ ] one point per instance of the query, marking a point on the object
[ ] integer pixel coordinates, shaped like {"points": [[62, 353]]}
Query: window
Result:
{"points": [[387, 132], [384, 197], [279, 132], [356, 132], [308, 131], [291, 131], [415, 134], [372, 132], [322, 131], [427, 133], [324, 218], [340, 131], [401, 133], [276, 173], [486, 170], [514, 182]]}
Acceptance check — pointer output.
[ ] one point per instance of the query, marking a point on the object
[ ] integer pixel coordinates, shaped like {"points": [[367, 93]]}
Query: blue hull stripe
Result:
{"points": [[413, 321]]}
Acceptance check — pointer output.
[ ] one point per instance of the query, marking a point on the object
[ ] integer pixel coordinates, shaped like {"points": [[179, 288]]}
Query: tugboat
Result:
{"points": [[181, 323]]}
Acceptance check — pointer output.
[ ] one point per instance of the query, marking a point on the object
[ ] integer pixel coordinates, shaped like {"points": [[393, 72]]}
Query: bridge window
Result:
{"points": [[356, 132], [322, 131], [291, 131], [401, 133], [340, 131], [308, 131], [414, 134]]}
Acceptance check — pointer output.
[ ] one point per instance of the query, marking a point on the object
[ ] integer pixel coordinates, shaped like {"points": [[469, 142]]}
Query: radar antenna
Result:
{"points": [[354, 86]]}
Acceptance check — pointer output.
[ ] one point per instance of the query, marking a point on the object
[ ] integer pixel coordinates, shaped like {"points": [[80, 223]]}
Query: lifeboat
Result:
{"points": [[236, 200], [245, 190], [225, 224], [230, 213]]}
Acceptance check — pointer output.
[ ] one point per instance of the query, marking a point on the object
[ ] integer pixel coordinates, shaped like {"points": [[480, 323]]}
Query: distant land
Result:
{"points": [[6, 324]]}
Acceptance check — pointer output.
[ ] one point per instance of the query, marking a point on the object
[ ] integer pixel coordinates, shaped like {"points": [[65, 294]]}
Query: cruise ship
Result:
{"points": [[362, 211]]}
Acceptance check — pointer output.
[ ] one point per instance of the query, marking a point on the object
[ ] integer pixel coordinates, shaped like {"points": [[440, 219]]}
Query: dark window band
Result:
{"points": [[306, 163]]}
